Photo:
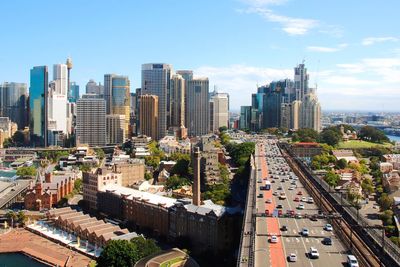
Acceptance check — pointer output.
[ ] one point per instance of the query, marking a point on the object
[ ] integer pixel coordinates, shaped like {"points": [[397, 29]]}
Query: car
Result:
{"points": [[284, 228], [268, 200], [279, 187], [293, 183], [275, 193], [273, 239], [300, 207], [352, 261], [305, 232], [296, 199], [303, 199], [327, 241], [291, 188], [272, 181], [298, 215], [259, 181], [313, 253], [328, 227], [260, 195], [283, 180], [279, 206], [310, 200], [314, 218], [292, 257], [282, 196], [300, 193]]}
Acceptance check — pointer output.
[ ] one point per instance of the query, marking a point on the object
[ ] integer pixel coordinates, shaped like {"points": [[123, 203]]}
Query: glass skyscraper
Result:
{"points": [[13, 103], [38, 104], [73, 93]]}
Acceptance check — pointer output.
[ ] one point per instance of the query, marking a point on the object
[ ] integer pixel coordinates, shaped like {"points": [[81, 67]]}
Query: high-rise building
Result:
{"points": [[149, 116], [91, 120], [69, 67], [310, 112], [272, 105], [115, 131], [156, 81], [117, 96], [57, 99], [295, 115], [197, 110], [93, 88], [13, 103], [38, 104], [245, 117], [300, 81], [60, 77], [73, 92], [186, 74], [177, 96], [219, 110]]}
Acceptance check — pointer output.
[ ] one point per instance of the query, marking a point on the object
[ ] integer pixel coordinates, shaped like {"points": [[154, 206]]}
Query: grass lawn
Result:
{"points": [[361, 144], [171, 262]]}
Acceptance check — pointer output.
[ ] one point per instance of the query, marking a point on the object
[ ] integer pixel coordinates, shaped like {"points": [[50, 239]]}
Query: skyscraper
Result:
{"points": [[13, 103], [149, 116], [310, 112], [57, 99], [93, 88], [177, 102], [156, 81], [73, 92], [219, 110], [38, 104], [197, 111], [115, 132], [117, 96], [245, 117], [91, 120], [186, 74], [300, 81]]}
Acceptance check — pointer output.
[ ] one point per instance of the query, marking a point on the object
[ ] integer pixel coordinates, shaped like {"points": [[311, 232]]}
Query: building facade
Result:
{"points": [[115, 129], [148, 117], [219, 111], [197, 111], [93, 88], [13, 103], [177, 102], [91, 121], [310, 113], [73, 93]]}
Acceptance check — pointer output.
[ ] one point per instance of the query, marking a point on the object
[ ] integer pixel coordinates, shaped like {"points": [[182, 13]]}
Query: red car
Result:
{"points": [[300, 193], [279, 212], [267, 212], [297, 199]]}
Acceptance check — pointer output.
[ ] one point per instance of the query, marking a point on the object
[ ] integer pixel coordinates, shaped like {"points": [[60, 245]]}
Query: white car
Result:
{"points": [[304, 232], [291, 188], [313, 253], [328, 227], [352, 261], [310, 200], [274, 239], [303, 199], [292, 257], [300, 207]]}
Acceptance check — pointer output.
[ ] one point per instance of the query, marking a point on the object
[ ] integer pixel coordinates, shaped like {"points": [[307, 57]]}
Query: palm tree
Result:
{"points": [[12, 217]]}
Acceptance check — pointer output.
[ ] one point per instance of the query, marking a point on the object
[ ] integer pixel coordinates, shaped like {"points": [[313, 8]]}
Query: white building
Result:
{"points": [[219, 110]]}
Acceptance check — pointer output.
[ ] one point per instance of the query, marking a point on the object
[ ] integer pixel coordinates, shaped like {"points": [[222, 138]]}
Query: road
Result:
{"points": [[273, 167]]}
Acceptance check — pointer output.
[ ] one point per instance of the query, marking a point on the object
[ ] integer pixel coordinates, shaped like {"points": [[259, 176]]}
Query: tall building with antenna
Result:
{"points": [[301, 81], [69, 67]]}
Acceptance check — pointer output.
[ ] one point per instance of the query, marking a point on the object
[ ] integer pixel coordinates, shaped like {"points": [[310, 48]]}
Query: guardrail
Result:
{"points": [[388, 252]]}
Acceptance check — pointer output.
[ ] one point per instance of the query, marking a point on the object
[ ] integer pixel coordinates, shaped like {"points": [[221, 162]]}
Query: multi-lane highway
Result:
{"points": [[288, 196]]}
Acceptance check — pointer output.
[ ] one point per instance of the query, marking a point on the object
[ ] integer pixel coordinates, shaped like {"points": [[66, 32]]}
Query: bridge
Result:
{"points": [[10, 194]]}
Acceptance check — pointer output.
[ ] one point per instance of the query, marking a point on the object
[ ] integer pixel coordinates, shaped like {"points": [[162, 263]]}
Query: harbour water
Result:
{"points": [[393, 138], [18, 260]]}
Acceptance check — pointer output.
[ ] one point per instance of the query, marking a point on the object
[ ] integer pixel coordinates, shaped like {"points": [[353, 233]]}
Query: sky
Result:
{"points": [[351, 48]]}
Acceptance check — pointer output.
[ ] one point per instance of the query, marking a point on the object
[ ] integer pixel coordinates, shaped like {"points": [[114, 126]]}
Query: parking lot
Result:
{"points": [[287, 196]]}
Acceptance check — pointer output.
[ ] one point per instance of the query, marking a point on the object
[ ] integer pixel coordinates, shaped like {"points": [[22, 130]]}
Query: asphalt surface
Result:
{"points": [[290, 241]]}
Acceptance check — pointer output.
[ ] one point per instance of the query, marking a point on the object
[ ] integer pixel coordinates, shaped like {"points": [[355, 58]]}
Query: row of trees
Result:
{"points": [[15, 218], [121, 253]]}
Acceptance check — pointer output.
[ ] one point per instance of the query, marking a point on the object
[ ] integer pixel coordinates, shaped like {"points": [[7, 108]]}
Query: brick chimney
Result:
{"points": [[196, 177], [47, 177]]}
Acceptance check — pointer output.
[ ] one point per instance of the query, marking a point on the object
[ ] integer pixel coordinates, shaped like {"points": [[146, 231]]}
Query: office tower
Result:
{"points": [[69, 67], [219, 110], [93, 88], [186, 74], [310, 112], [38, 104], [57, 99], [149, 116], [285, 115], [117, 96], [197, 110], [91, 120], [300, 81], [177, 95], [156, 81], [115, 131], [245, 117], [73, 92], [133, 118], [137, 110], [13, 103], [272, 106], [196, 177], [71, 117], [295, 115]]}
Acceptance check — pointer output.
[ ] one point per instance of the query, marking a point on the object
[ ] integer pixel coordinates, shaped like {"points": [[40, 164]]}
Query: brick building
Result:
{"points": [[48, 190]]}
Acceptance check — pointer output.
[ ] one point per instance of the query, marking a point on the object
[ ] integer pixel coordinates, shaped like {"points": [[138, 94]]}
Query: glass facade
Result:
{"points": [[73, 94], [13, 103], [38, 104]]}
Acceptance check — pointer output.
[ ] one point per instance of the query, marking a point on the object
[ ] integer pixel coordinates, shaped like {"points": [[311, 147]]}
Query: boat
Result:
{"points": [[17, 164], [28, 163]]}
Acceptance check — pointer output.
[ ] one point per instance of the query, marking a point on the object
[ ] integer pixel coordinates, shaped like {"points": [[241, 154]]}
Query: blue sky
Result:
{"points": [[351, 48]]}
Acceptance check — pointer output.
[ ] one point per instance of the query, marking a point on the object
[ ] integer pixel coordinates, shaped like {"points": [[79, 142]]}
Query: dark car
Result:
{"points": [[327, 241], [284, 228], [314, 218], [279, 206]]}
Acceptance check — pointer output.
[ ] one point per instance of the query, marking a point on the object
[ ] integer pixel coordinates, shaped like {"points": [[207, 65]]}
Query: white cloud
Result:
{"points": [[290, 25], [374, 40], [325, 49]]}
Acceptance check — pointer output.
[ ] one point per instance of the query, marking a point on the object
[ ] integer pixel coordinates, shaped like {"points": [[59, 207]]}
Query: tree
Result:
{"points": [[218, 193], [152, 161], [385, 201], [222, 129], [85, 168], [148, 176], [182, 165], [367, 186], [305, 135], [341, 164], [330, 136], [26, 172], [372, 134], [18, 138], [145, 247], [7, 143], [118, 253], [11, 217], [332, 178], [78, 186], [100, 153], [21, 218], [387, 217], [175, 182]]}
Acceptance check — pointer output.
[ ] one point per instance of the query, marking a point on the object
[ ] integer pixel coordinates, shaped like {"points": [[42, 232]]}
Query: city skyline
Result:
{"points": [[356, 65]]}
